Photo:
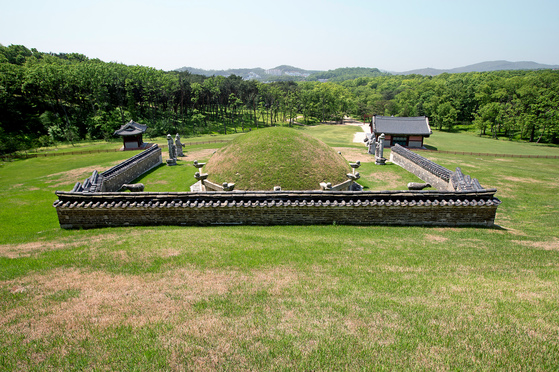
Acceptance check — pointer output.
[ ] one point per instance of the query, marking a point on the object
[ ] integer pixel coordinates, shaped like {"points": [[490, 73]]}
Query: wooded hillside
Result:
{"points": [[67, 97]]}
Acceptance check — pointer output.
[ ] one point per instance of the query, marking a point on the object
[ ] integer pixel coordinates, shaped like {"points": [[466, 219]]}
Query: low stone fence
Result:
{"points": [[430, 172], [91, 210], [130, 169], [459, 201], [438, 176]]}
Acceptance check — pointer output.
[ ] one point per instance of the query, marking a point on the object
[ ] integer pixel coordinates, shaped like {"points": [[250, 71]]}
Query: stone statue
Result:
{"points": [[172, 151], [178, 145], [132, 187], [371, 144], [417, 186], [379, 151]]}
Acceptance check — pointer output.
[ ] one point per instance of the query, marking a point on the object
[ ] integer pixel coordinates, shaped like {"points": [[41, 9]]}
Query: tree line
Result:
{"points": [[47, 98], [516, 104]]}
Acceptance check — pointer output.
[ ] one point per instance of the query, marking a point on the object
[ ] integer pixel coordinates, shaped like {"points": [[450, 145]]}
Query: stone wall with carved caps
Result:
{"points": [[459, 201], [81, 210], [131, 169], [430, 172]]}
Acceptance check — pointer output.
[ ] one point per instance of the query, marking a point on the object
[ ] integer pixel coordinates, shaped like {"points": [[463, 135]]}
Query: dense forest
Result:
{"points": [[47, 98]]}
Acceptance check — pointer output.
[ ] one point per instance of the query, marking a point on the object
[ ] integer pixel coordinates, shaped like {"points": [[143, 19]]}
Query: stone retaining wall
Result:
{"points": [[460, 201], [130, 169], [430, 172], [83, 210]]}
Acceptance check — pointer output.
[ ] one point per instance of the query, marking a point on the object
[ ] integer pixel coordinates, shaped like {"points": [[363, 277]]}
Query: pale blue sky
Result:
{"points": [[395, 35]]}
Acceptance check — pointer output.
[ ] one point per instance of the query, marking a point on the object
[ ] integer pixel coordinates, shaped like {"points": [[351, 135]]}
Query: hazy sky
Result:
{"points": [[395, 35]]}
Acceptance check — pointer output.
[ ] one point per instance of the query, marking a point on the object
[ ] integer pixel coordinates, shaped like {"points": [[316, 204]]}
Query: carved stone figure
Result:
{"points": [[379, 152], [133, 187], [417, 186], [172, 151], [371, 144], [178, 145]]}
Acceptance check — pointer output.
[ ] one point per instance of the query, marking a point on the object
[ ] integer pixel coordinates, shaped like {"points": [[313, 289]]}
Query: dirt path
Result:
{"points": [[359, 137]]}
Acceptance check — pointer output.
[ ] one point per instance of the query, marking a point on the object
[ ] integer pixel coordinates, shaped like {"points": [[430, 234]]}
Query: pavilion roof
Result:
{"points": [[131, 129], [417, 125]]}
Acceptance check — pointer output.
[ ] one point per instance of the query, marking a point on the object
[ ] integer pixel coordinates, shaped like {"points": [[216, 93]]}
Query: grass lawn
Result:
{"points": [[282, 297], [335, 135], [469, 142], [116, 144]]}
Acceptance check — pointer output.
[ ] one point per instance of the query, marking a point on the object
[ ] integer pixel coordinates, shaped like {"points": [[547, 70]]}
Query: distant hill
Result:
{"points": [[482, 67], [285, 72], [346, 73], [279, 73]]}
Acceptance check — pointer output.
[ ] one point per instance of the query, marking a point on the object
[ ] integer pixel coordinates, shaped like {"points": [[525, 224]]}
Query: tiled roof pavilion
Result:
{"points": [[411, 126], [405, 131], [131, 129], [131, 134]]}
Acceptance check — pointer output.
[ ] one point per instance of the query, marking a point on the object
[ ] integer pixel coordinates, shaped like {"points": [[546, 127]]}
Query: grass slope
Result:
{"points": [[277, 156], [281, 297]]}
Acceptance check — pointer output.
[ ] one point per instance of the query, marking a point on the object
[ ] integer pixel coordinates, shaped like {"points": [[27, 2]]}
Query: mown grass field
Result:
{"points": [[115, 144], [282, 298]]}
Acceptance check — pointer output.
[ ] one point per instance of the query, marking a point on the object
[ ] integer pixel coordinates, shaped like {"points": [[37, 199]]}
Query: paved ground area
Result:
{"points": [[359, 136]]}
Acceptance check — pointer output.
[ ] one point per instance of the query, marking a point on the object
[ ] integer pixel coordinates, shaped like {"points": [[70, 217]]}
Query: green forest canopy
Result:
{"points": [[47, 97]]}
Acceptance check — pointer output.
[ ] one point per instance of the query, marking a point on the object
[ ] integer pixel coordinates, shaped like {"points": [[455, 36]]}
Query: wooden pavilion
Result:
{"points": [[405, 131], [131, 134]]}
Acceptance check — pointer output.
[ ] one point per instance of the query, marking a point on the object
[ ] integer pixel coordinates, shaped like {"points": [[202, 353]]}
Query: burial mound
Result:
{"points": [[277, 156]]}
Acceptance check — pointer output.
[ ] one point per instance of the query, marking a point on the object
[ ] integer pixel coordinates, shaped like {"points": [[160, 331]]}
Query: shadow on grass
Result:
{"points": [[148, 173]]}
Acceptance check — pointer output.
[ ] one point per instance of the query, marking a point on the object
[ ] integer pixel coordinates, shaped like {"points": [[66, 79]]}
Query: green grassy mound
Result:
{"points": [[270, 157]]}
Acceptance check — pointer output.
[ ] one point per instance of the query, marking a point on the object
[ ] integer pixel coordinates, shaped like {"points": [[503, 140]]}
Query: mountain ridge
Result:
{"points": [[282, 72], [286, 72], [486, 66]]}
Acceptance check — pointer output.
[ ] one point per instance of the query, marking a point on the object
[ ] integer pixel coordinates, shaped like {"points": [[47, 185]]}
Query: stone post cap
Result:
{"points": [[198, 165], [228, 186], [355, 165], [200, 177]]}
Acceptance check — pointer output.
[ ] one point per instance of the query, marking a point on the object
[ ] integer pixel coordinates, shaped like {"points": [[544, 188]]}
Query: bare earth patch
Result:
{"points": [[435, 238], [75, 175], [27, 249], [111, 300], [353, 155], [522, 180], [201, 154], [552, 245]]}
